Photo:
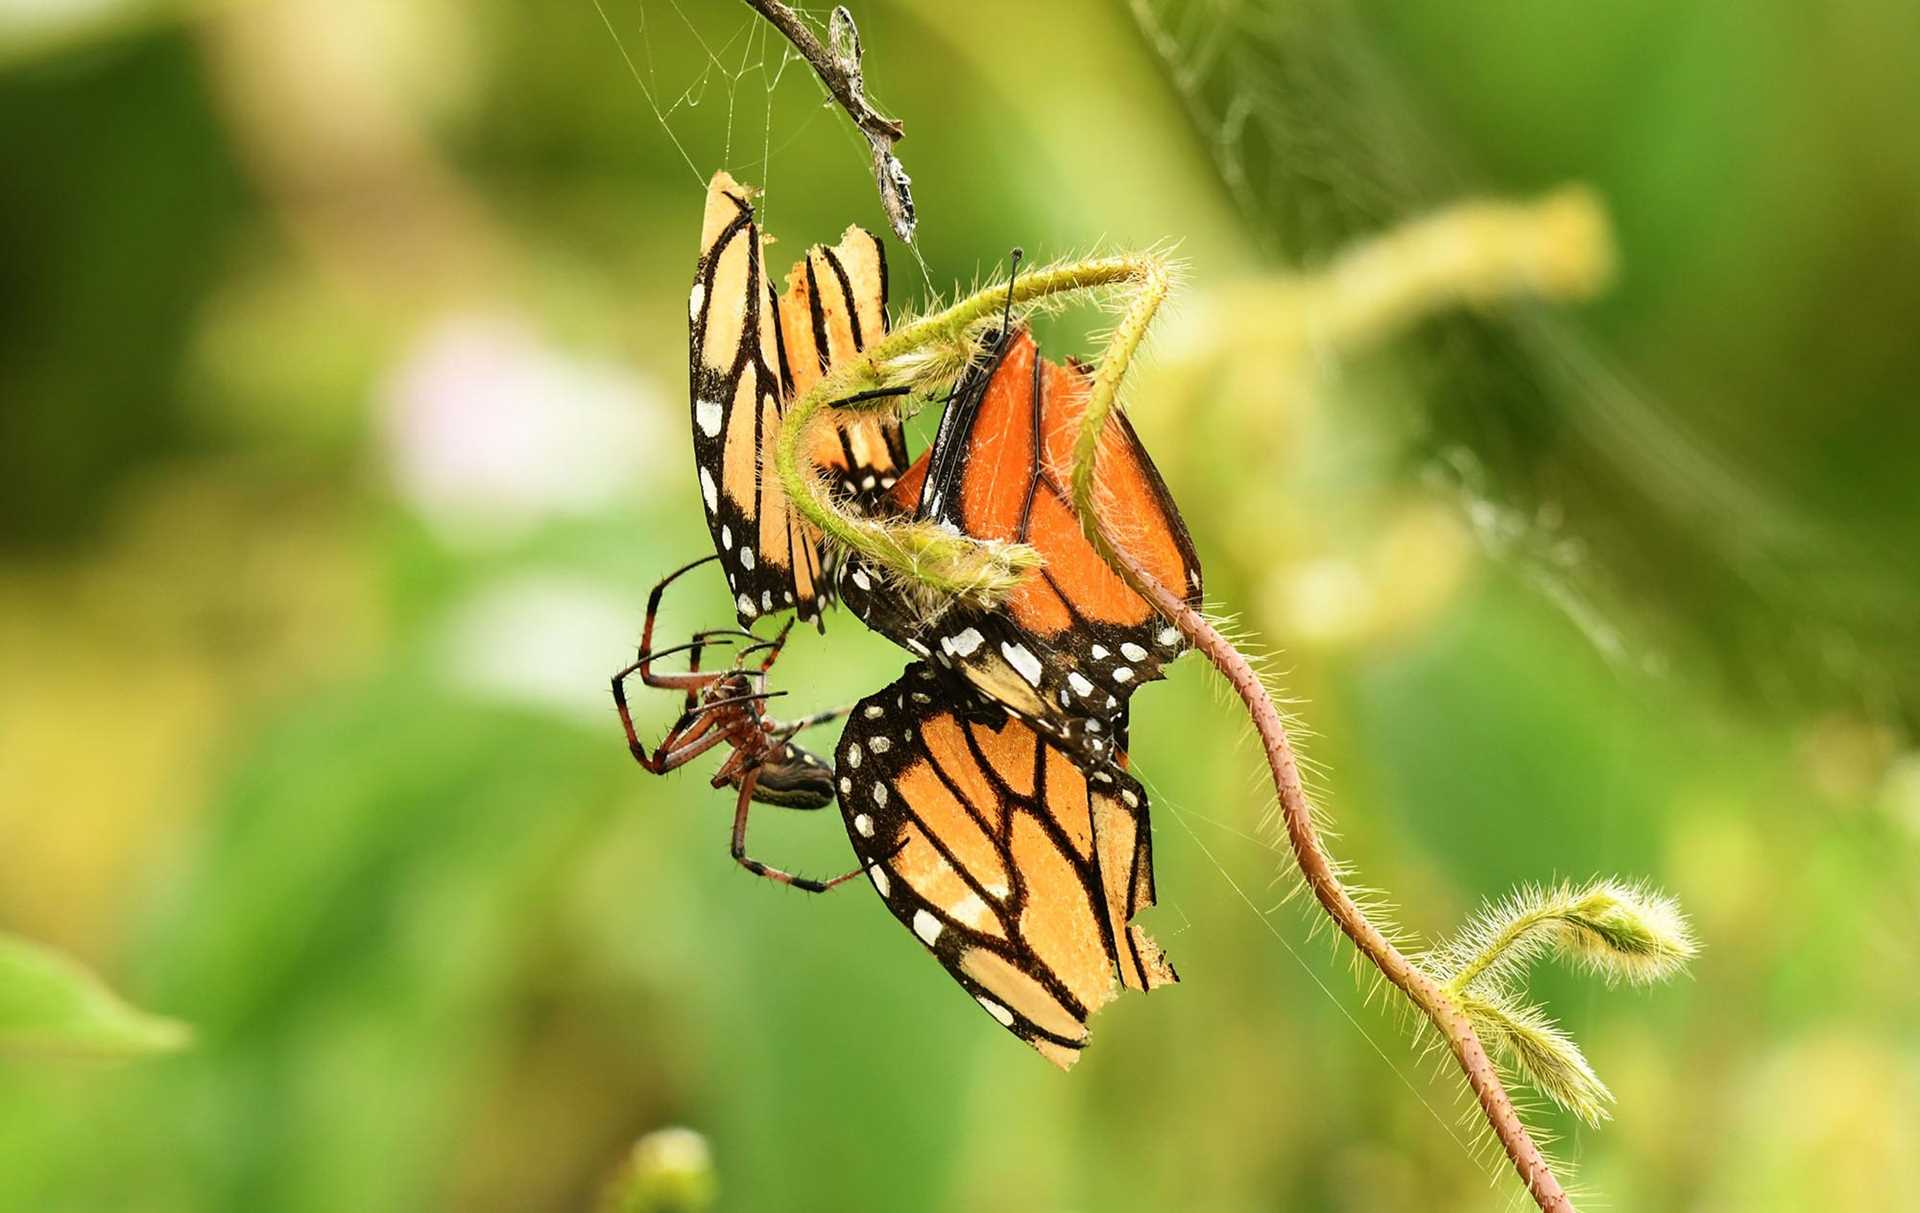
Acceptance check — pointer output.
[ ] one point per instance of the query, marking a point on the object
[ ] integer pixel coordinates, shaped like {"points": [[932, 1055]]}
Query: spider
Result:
{"points": [[727, 706]]}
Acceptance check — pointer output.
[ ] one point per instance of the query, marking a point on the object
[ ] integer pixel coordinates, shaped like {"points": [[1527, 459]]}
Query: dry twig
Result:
{"points": [[838, 66]]}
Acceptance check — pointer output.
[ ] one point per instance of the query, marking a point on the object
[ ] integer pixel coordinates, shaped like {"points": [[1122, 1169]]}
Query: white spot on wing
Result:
{"points": [[709, 490], [1022, 659], [880, 745], [878, 875], [695, 299], [1079, 683], [1126, 794], [873, 711], [746, 556], [964, 644], [996, 1010], [1169, 637], [880, 794], [1122, 673], [1133, 652], [862, 823], [860, 579], [853, 755], [726, 538], [846, 785], [927, 927], [766, 597], [1099, 652], [707, 414], [746, 606]]}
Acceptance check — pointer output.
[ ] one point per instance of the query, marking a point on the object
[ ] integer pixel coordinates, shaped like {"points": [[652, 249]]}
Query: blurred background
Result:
{"points": [[343, 431]]}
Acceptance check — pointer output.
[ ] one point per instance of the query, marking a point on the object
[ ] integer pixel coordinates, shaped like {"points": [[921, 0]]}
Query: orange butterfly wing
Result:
{"points": [[834, 307], [1070, 643], [1021, 873], [752, 352], [771, 557]]}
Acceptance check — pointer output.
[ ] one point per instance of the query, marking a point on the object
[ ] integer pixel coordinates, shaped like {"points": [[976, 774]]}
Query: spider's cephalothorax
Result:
{"points": [[784, 774], [727, 707]]}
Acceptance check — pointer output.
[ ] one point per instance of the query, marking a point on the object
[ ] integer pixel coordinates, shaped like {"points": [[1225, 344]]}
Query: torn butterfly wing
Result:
{"points": [[834, 307], [771, 557], [1020, 872], [751, 354]]}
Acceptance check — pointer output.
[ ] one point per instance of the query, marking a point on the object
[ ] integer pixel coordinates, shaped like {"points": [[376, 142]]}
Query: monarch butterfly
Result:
{"points": [[1071, 642], [1019, 871], [727, 707], [751, 351]]}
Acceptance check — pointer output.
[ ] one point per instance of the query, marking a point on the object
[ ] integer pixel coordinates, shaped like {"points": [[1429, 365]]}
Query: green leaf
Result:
{"points": [[50, 1005]]}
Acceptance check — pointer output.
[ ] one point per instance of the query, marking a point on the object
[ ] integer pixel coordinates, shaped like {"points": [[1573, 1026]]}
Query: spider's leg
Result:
{"points": [[693, 667], [746, 749], [779, 642], [671, 751], [653, 606], [686, 746], [700, 641], [772, 648], [753, 865], [634, 747], [691, 682], [787, 729], [736, 700]]}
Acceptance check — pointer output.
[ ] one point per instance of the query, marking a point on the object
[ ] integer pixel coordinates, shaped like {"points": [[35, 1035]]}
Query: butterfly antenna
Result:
{"points": [[1013, 275]]}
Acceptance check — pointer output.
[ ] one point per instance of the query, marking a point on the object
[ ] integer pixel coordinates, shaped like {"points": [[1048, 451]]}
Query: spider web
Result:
{"points": [[1564, 467], [752, 50], [721, 81]]}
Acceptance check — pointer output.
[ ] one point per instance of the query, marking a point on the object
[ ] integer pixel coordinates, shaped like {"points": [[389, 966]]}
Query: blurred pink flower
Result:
{"points": [[491, 431]]}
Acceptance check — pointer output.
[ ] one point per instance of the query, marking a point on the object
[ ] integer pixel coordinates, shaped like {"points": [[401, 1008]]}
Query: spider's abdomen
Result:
{"points": [[795, 779]]}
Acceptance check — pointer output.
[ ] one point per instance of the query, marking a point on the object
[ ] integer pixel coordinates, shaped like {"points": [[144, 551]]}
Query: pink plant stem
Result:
{"points": [[1447, 1017]]}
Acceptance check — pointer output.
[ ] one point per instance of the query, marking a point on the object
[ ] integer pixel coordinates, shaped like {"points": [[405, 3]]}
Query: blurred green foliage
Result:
{"points": [[51, 1006], [341, 435]]}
